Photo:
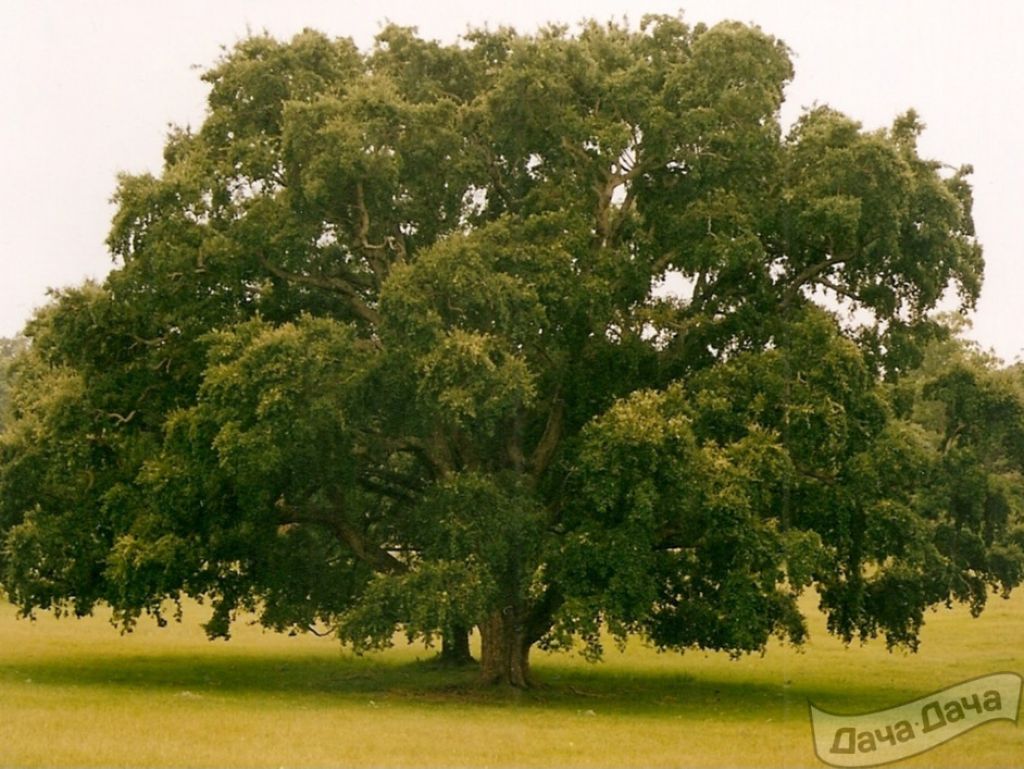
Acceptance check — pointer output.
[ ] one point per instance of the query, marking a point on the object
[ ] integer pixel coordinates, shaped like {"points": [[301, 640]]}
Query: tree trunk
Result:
{"points": [[455, 647], [504, 650]]}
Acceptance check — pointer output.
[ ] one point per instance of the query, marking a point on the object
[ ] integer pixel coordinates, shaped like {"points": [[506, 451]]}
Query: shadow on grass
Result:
{"points": [[345, 678]]}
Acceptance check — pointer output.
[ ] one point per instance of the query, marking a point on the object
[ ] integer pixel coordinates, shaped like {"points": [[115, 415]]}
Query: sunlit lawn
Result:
{"points": [[76, 693]]}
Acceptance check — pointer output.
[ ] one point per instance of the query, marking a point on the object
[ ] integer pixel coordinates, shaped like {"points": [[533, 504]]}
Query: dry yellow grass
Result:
{"points": [[76, 693]]}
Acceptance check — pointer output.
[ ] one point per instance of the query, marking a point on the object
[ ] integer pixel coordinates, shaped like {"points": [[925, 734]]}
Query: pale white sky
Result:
{"points": [[89, 87]]}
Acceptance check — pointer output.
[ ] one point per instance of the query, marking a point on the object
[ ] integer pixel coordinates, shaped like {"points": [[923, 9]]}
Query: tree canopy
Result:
{"points": [[9, 350], [387, 348]]}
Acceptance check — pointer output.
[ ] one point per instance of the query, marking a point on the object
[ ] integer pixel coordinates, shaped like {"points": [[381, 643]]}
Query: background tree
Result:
{"points": [[972, 411], [384, 349]]}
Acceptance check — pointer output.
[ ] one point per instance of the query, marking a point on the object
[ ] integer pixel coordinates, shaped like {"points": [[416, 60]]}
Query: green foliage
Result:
{"points": [[384, 350], [9, 350]]}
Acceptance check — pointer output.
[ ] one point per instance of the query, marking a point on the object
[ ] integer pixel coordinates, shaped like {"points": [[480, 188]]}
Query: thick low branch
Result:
{"points": [[330, 631], [374, 556], [541, 615]]}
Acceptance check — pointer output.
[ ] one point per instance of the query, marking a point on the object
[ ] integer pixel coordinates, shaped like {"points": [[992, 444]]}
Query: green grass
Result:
{"points": [[77, 693]]}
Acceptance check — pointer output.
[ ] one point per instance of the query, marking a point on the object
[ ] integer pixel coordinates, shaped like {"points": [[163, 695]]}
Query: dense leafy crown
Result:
{"points": [[385, 348]]}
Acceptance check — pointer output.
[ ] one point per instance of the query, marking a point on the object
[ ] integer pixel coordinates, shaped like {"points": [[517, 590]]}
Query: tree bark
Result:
{"points": [[455, 647], [505, 650]]}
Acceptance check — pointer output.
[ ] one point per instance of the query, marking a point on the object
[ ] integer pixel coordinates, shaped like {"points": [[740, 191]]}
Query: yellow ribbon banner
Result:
{"points": [[889, 735]]}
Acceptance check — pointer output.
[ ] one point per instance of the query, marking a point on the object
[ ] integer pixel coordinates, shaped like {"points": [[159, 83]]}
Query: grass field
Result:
{"points": [[76, 693]]}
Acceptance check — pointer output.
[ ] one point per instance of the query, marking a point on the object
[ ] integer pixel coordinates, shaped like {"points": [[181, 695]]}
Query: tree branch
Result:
{"points": [[545, 449], [328, 283], [513, 444], [396, 485], [837, 289], [120, 419], [497, 182], [438, 467], [372, 555], [793, 286], [541, 615], [373, 251]]}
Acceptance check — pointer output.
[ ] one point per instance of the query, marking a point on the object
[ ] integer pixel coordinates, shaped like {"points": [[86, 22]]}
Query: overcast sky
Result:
{"points": [[89, 88]]}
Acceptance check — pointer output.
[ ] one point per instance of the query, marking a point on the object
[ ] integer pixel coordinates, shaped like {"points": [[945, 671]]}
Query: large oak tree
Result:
{"points": [[385, 348]]}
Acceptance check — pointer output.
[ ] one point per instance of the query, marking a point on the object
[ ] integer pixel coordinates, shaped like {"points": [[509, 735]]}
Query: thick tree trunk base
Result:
{"points": [[504, 652], [455, 649]]}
